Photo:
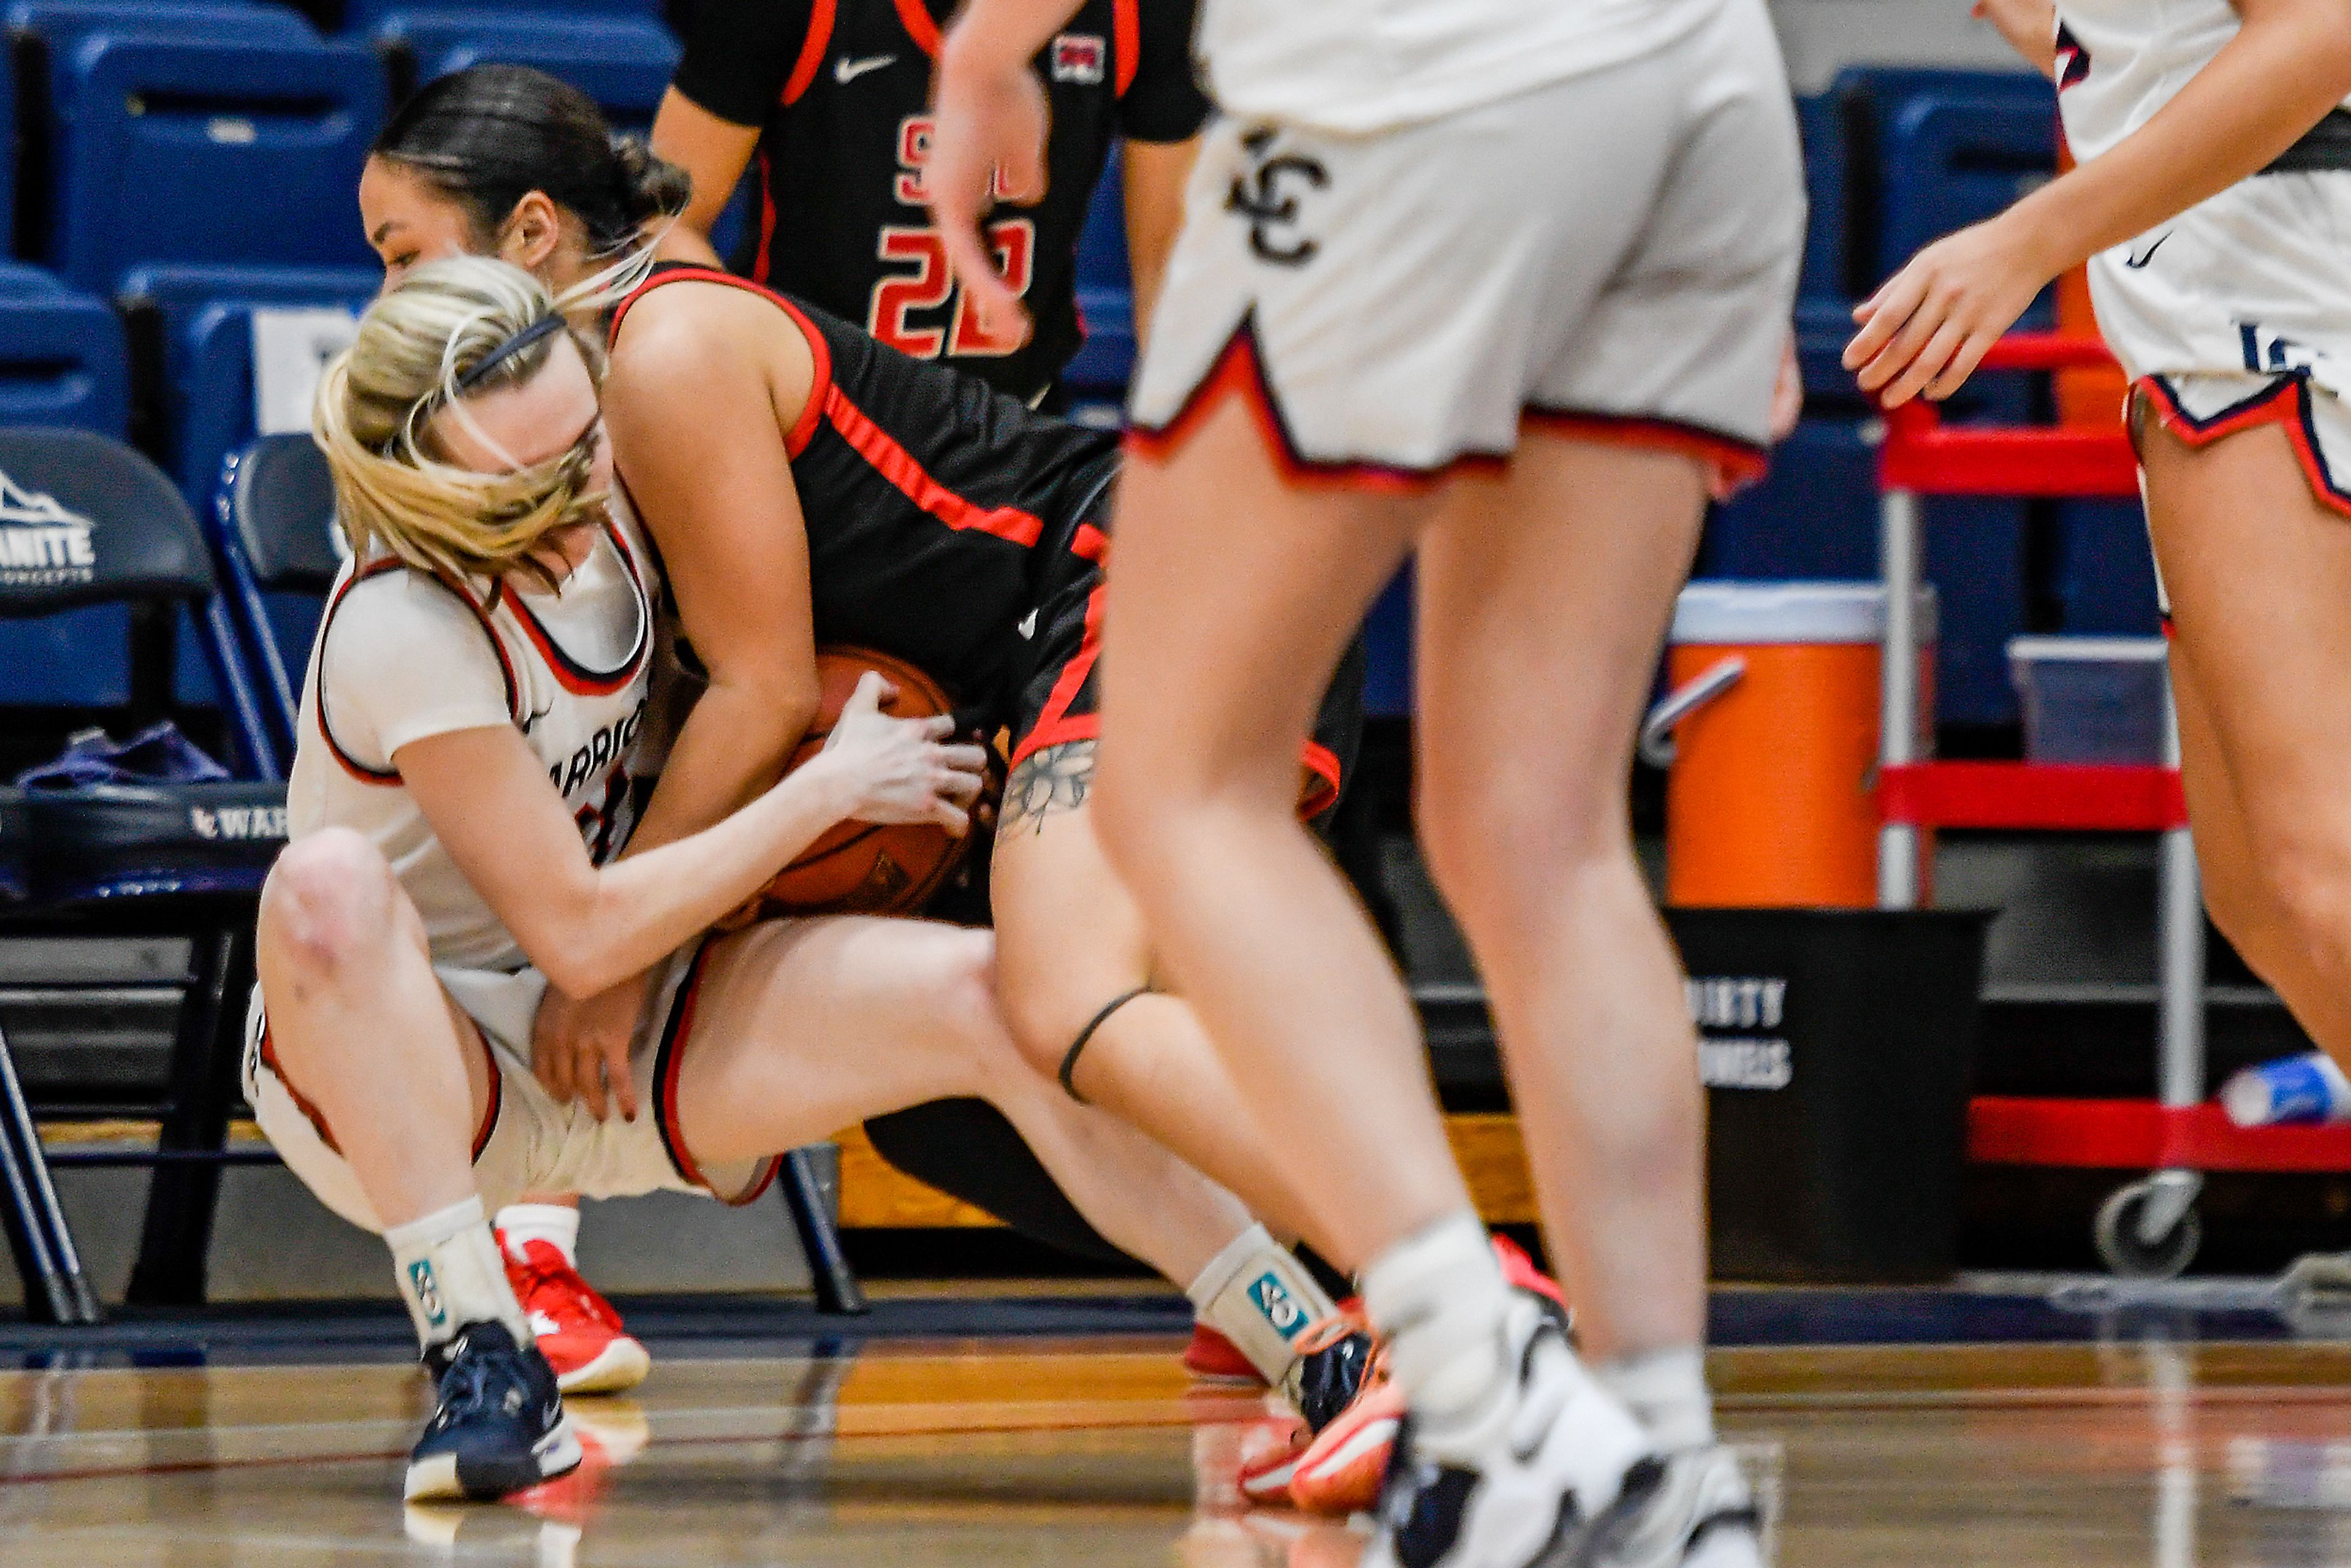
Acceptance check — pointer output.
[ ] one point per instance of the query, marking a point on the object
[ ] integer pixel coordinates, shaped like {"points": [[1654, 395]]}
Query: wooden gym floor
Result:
{"points": [[2145, 1440]]}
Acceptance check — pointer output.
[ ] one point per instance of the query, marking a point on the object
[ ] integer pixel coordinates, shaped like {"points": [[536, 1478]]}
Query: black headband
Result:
{"points": [[538, 331]]}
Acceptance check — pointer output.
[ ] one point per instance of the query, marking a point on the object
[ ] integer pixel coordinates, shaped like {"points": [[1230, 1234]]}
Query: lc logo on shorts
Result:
{"points": [[1280, 1309], [421, 1280]]}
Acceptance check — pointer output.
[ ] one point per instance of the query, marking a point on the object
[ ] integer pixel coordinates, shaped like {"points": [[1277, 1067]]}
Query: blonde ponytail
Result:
{"points": [[423, 349]]}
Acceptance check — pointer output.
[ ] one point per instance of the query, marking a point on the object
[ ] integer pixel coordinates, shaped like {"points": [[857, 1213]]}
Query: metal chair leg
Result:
{"points": [[836, 1290], [56, 1289], [183, 1194]]}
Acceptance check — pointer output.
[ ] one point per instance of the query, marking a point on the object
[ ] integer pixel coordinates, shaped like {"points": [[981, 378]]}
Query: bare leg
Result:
{"points": [[1069, 940], [1544, 595], [2260, 577], [363, 1029], [1220, 641], [806, 1026]]}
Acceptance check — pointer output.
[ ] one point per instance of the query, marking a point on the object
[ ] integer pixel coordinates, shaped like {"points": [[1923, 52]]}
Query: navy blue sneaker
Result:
{"points": [[499, 1427]]}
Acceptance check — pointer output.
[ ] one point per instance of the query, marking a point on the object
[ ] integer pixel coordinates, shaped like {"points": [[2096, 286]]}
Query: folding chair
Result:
{"points": [[85, 520]]}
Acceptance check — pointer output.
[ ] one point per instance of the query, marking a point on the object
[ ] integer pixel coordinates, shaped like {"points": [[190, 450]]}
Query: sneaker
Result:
{"points": [[1519, 1272], [1213, 1358], [1335, 1359], [1568, 1477], [578, 1331], [499, 1426]]}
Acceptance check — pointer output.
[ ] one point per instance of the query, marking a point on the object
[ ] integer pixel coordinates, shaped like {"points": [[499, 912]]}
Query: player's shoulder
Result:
{"points": [[688, 326], [389, 614]]}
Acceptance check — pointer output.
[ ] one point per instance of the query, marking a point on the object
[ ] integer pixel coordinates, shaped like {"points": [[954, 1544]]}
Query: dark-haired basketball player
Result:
{"points": [[833, 96]]}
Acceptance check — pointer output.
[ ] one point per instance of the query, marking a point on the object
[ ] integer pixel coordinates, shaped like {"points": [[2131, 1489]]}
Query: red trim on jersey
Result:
{"points": [[1126, 41], [2272, 405], [895, 463], [919, 26], [318, 1118], [388, 779], [1054, 726], [811, 57], [1323, 793], [804, 428], [1238, 372], [767, 220], [570, 673], [1733, 463]]}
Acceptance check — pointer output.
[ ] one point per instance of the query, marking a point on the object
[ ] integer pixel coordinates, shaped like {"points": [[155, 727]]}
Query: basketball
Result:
{"points": [[866, 868]]}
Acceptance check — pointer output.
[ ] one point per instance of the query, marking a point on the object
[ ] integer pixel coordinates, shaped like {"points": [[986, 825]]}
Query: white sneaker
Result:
{"points": [[1703, 1516], [1566, 1475]]}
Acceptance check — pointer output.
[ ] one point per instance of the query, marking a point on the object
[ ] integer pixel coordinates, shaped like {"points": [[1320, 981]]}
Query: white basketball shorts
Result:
{"points": [[2238, 313], [1614, 255], [528, 1142]]}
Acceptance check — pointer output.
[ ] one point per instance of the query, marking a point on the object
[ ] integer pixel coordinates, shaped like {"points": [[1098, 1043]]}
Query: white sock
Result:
{"points": [[450, 1275], [1440, 1298], [556, 1224], [1666, 1390], [1260, 1296]]}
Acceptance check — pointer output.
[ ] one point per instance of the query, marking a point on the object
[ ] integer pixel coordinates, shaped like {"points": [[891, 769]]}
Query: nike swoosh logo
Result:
{"points": [[1029, 625], [846, 70], [2138, 263]]}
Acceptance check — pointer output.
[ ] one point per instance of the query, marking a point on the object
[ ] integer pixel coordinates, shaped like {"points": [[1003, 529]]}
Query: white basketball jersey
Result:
{"points": [[1370, 65], [2119, 61], [402, 655]]}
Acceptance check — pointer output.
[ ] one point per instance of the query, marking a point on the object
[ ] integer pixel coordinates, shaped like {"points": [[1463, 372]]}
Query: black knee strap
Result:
{"points": [[1069, 1061]]}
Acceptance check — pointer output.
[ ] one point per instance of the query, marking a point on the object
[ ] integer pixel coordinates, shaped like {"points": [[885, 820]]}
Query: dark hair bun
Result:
{"points": [[651, 185]]}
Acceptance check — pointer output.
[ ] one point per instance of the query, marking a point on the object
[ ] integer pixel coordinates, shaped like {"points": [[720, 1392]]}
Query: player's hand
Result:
{"points": [[2029, 25], [903, 770], [990, 122], [1927, 329], [579, 1050]]}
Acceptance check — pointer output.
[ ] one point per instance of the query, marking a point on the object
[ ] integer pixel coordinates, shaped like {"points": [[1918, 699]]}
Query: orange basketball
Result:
{"points": [[867, 868]]}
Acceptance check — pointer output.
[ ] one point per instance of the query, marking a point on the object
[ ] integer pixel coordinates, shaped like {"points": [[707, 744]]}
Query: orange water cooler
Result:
{"points": [[1769, 732]]}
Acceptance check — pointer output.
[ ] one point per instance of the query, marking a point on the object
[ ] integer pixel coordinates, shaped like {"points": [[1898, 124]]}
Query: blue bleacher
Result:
{"points": [[207, 334], [1105, 290], [625, 64], [204, 151], [62, 365], [367, 16]]}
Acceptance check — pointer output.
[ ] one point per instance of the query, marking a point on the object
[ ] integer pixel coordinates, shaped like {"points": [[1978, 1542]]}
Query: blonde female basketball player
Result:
{"points": [[2213, 203], [463, 778], [805, 485], [1505, 285]]}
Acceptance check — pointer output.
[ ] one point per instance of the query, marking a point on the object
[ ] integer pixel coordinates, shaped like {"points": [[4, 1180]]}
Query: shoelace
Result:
{"points": [[473, 1385], [1324, 1333]]}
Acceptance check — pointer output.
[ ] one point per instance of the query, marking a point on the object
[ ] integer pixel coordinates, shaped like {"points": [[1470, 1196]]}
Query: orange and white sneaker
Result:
{"points": [[1335, 1360], [578, 1331]]}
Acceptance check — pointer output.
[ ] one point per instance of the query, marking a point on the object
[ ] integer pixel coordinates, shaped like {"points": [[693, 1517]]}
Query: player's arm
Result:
{"points": [[586, 929], [2029, 25], [714, 150], [1160, 114], [989, 120], [1928, 328]]}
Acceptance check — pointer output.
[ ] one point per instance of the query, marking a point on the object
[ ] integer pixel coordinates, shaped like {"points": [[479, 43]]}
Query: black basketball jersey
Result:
{"points": [[841, 91], [940, 512]]}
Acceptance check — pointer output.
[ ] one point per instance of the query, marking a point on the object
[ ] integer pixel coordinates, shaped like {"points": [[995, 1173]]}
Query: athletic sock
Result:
{"points": [[1259, 1295], [556, 1224], [450, 1274], [1666, 1390], [1439, 1299]]}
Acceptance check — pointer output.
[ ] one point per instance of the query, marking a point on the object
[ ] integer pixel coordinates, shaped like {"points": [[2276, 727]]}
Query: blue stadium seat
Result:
{"points": [[62, 365], [272, 525], [1105, 290], [1946, 149], [367, 16], [203, 319], [1828, 261], [242, 152], [622, 63]]}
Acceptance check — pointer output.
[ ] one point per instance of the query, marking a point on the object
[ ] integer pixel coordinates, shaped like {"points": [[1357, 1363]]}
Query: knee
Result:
{"points": [[327, 904], [964, 986], [1496, 840], [1046, 1017]]}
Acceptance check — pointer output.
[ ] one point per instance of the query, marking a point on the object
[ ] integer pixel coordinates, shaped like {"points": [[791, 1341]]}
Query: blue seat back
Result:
{"points": [[368, 16], [272, 530], [212, 152], [1828, 260], [623, 63], [1105, 280]]}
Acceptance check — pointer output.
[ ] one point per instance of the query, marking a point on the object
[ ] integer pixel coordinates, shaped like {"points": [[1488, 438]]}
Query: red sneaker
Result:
{"points": [[1336, 1362], [578, 1331], [1340, 1471], [1213, 1358], [1519, 1271]]}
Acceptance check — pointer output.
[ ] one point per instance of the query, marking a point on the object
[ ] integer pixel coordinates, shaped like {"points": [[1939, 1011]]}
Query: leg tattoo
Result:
{"points": [[1058, 779]]}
